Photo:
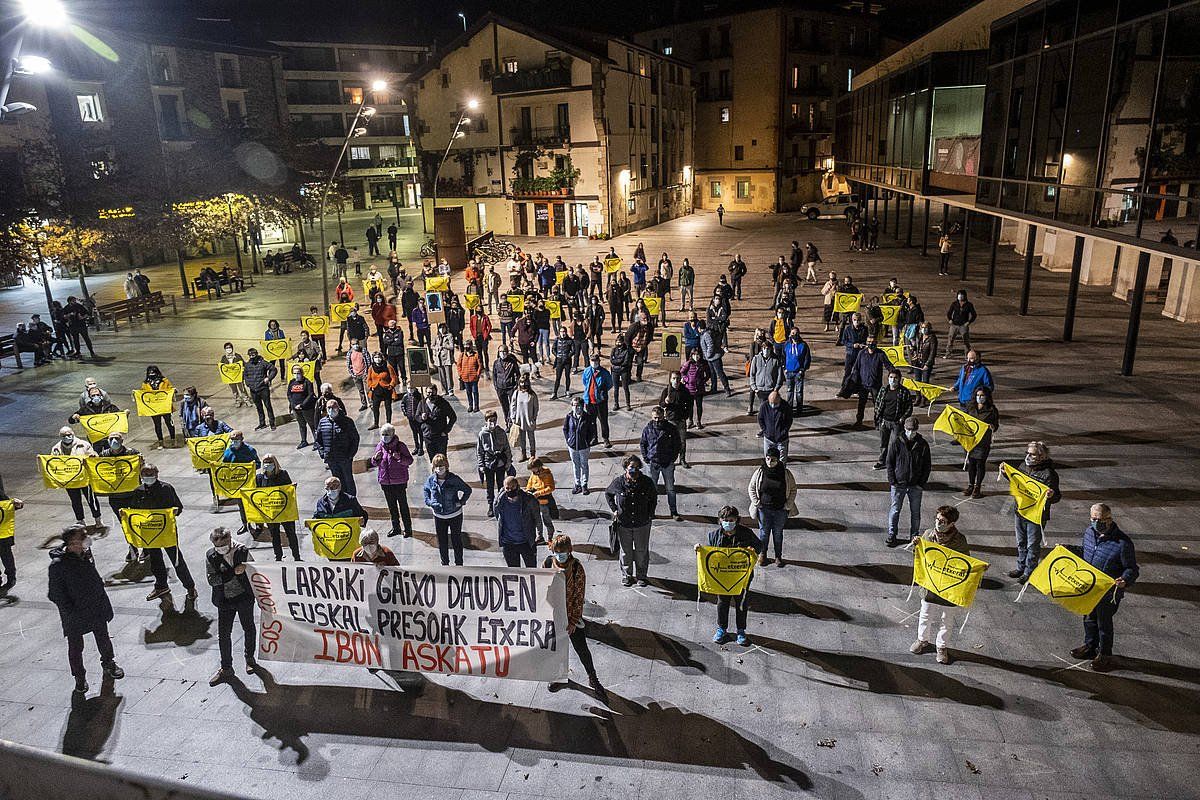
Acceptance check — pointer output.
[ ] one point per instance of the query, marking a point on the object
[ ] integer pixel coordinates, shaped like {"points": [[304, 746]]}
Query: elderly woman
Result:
{"points": [[370, 551]]}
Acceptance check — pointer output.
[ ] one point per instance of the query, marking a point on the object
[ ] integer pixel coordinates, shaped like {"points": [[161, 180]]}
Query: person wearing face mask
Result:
{"points": [[579, 432], [506, 372], [827, 296], [209, 425], [772, 491], [632, 497], [336, 441], [391, 344], [936, 612], [338, 503], [358, 360], [766, 374], [382, 381], [677, 402], [908, 319], [693, 376], [1109, 549], [1038, 465], [76, 588], [241, 395], [921, 352], [983, 408], [893, 405], [302, 400], [691, 336], [437, 419], [525, 408], [731, 533], [225, 567], [713, 352], [7, 561], [156, 381], [445, 495], [93, 401], [797, 358], [960, 315], [258, 374], [597, 381], [392, 459], [69, 444], [493, 456], [516, 512], [564, 353], [908, 467], [469, 367], [971, 376], [238, 452], [156, 494], [563, 558], [540, 484], [114, 446], [308, 352], [661, 445], [867, 375], [853, 337], [370, 551], [443, 358], [410, 406], [190, 408], [356, 329], [271, 474]]}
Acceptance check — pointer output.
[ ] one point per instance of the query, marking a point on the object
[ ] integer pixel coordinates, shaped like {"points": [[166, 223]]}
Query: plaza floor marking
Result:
{"points": [[1068, 663]]}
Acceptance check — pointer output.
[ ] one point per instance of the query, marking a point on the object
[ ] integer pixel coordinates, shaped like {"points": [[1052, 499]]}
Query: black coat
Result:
{"points": [[78, 591], [633, 503], [908, 461]]}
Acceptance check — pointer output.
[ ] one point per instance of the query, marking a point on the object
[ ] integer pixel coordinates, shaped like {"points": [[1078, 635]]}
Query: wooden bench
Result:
{"points": [[288, 261], [156, 302], [133, 307], [226, 281], [8, 347]]}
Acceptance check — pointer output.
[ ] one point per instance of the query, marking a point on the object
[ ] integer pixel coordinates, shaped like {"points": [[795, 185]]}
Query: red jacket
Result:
{"points": [[481, 326], [382, 313]]}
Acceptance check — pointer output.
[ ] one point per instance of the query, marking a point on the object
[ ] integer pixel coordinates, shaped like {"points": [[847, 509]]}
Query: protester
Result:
{"points": [[676, 402], [866, 375], [302, 400], [908, 467], [960, 315], [274, 333], [470, 367], [338, 503], [155, 381], [936, 611], [766, 375], [1039, 466], [76, 588], [358, 360], [69, 444], [493, 456], [258, 376], [436, 419], [893, 405], [516, 513], [971, 376], [156, 494], [524, 417], [7, 561], [828, 293], [272, 474], [370, 551], [443, 358], [660, 443], [564, 354], [772, 493], [797, 358], [731, 533], [632, 497], [382, 381], [506, 371], [596, 383], [190, 408], [445, 495], [921, 353], [563, 558], [392, 459], [336, 441], [225, 566], [1110, 550], [983, 409], [579, 433]]}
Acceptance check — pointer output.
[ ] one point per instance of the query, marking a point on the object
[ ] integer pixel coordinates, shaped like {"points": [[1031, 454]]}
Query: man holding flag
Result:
{"points": [[1038, 466], [1110, 550]]}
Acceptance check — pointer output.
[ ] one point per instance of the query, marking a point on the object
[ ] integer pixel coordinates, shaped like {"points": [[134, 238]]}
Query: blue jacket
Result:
{"points": [[869, 368], [691, 335], [797, 357], [1111, 553], [516, 519], [850, 336], [346, 505], [218, 427], [602, 379], [241, 455], [967, 384], [580, 432], [639, 273], [189, 412], [446, 498], [660, 443], [336, 440]]}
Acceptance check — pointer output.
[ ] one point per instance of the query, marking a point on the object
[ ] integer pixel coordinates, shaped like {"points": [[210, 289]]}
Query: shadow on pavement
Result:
{"points": [[91, 722], [760, 603], [655, 646]]}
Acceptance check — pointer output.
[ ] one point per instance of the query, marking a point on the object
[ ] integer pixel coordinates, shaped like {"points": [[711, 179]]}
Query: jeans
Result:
{"points": [[887, 431], [955, 332], [579, 464], [159, 568], [262, 402], [288, 528], [687, 298], [898, 494], [1098, 625], [418, 442], [582, 348], [396, 495], [741, 610], [472, 391], [544, 522], [781, 446], [1029, 544], [492, 479], [527, 441], [668, 478], [449, 534], [717, 370], [543, 344], [78, 497], [75, 650], [635, 550], [240, 393], [770, 527], [922, 374], [243, 610], [514, 554], [681, 426], [795, 391], [943, 616], [343, 470]]}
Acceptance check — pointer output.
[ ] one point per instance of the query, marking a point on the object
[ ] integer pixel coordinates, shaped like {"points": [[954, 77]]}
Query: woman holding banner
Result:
{"points": [[155, 381], [731, 533], [934, 609], [272, 474], [241, 395], [563, 558], [70, 445], [984, 409], [273, 333]]}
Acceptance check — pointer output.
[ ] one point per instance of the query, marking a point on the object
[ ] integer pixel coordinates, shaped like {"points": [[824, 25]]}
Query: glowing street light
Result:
{"points": [[44, 13], [379, 85], [457, 133], [32, 65]]}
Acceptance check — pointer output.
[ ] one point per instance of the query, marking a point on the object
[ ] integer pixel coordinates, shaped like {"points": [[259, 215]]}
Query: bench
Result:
{"points": [[135, 306], [288, 261], [224, 280], [156, 302], [8, 347]]}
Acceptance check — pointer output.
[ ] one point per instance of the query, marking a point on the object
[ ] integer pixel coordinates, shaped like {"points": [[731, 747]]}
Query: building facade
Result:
{"points": [[573, 134], [767, 82], [325, 83]]}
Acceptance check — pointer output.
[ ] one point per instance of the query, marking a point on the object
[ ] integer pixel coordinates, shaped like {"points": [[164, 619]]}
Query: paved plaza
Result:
{"points": [[826, 702]]}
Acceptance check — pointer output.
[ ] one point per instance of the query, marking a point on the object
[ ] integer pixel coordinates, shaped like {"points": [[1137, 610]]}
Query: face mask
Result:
{"points": [[562, 558], [149, 480], [96, 399], [297, 376], [631, 472], [1030, 460], [235, 442], [115, 444], [371, 549], [962, 297], [772, 462], [728, 524], [871, 346], [358, 348], [981, 400], [379, 362], [490, 425], [440, 472], [893, 383], [68, 440], [578, 411], [270, 469], [511, 492], [332, 494], [333, 413], [387, 438], [941, 526], [970, 363], [675, 381], [1101, 526], [910, 433], [223, 549]]}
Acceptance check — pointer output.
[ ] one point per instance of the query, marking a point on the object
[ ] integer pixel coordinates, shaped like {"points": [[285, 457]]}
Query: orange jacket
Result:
{"points": [[540, 484], [472, 273], [381, 378], [469, 367]]}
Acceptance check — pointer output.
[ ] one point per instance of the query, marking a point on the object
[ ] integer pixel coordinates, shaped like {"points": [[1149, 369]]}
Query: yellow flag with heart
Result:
{"points": [[555, 309], [613, 264], [149, 528], [231, 373], [890, 314], [724, 570], [892, 298], [951, 575], [153, 402], [846, 302], [275, 349], [516, 302], [114, 474], [437, 283], [471, 302], [559, 276], [653, 304], [1070, 581], [63, 472], [99, 426], [368, 286], [1031, 495], [270, 504], [8, 519], [309, 370], [968, 431], [335, 538], [895, 354], [206, 451], [315, 324], [929, 391], [229, 480], [339, 311]]}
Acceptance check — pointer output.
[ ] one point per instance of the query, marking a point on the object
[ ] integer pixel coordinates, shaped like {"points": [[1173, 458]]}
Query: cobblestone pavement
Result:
{"points": [[827, 702]]}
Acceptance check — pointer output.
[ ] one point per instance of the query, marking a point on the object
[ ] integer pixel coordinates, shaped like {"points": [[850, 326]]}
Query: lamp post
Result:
{"points": [[363, 111], [463, 17], [37, 13], [463, 119]]}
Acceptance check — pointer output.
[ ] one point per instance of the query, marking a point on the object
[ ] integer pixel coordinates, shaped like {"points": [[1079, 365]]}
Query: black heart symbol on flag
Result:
{"points": [[153, 397], [209, 450], [234, 474], [100, 424], [271, 503], [728, 567], [1069, 579], [148, 525], [963, 426], [113, 473], [231, 371], [276, 348], [945, 571], [64, 469], [334, 536]]}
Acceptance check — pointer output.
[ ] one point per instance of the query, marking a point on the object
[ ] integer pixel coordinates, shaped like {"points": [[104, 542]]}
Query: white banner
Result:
{"points": [[484, 621]]}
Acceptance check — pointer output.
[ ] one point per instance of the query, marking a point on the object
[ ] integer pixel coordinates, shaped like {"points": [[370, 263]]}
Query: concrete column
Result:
{"points": [[1099, 262], [1127, 270], [1010, 232], [1023, 237], [1057, 250], [1183, 293]]}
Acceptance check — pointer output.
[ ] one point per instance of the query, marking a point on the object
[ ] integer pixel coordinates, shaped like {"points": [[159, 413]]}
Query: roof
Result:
{"points": [[696, 12]]}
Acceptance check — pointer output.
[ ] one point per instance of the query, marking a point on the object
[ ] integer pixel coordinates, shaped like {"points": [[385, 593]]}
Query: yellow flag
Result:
{"points": [[968, 431], [309, 370], [555, 309], [206, 451], [63, 472], [930, 391], [114, 474], [516, 302], [890, 314], [275, 349], [153, 402], [653, 304], [339, 311], [895, 354], [316, 325], [8, 519], [470, 302], [369, 285], [1070, 581], [891, 298], [613, 264], [336, 538], [231, 373], [437, 283], [230, 479], [845, 303], [150, 528], [951, 575], [724, 570], [558, 276], [1031, 495], [99, 426], [266, 504]]}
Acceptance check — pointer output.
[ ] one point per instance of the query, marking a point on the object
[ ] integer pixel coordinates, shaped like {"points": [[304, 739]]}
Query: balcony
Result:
{"points": [[543, 137], [530, 80], [809, 44], [714, 94], [801, 127]]}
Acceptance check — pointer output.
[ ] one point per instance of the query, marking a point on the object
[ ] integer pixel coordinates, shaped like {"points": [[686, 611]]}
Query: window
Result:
{"points": [[724, 85], [485, 69], [739, 153], [89, 108], [632, 205], [743, 189], [642, 117], [667, 49], [360, 154], [849, 78], [234, 112], [510, 65], [353, 94], [714, 189], [644, 166], [795, 77], [795, 110], [641, 64], [162, 65], [724, 114], [631, 121], [170, 121], [230, 75], [445, 80]]}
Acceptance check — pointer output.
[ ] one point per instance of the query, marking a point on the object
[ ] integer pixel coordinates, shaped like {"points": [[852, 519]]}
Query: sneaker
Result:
{"points": [[891, 541], [1102, 663], [541, 540], [302, 445], [586, 490], [576, 489], [878, 465], [607, 443], [643, 583], [920, 648], [220, 676], [943, 655], [1083, 651], [157, 593], [1014, 573], [678, 517], [627, 581], [260, 426], [81, 684], [762, 559], [779, 561], [743, 639], [719, 636], [113, 670], [251, 666]]}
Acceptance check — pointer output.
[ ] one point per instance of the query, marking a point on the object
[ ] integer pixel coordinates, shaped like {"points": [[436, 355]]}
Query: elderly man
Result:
{"points": [[1110, 550], [225, 567], [156, 494]]}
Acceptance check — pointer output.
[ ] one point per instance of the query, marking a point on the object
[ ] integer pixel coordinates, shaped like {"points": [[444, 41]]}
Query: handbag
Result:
{"points": [[514, 435]]}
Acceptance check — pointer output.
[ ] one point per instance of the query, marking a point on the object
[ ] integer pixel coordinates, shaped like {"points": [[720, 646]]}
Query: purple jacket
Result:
{"points": [[695, 376], [393, 461]]}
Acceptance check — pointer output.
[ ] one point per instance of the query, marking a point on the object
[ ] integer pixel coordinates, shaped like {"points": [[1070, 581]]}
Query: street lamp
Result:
{"points": [[463, 17], [40, 14], [363, 114], [457, 133]]}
